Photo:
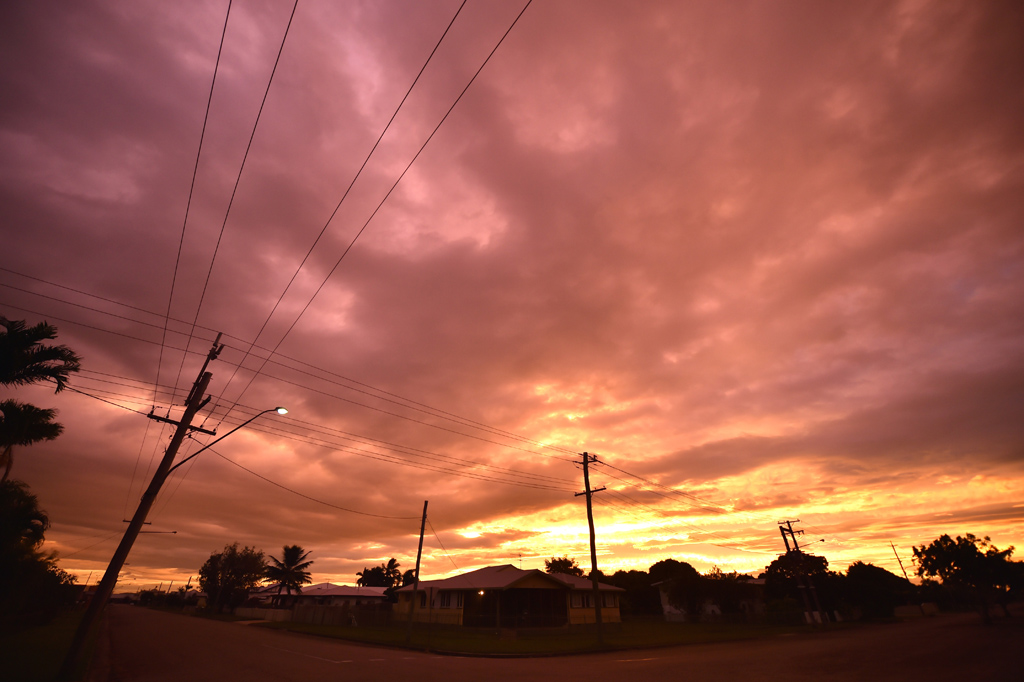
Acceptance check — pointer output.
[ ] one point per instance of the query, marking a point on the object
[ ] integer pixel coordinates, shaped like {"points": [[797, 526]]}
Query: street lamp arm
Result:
{"points": [[279, 410]]}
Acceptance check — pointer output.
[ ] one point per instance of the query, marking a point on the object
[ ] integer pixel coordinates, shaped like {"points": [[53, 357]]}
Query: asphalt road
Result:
{"points": [[146, 645]]}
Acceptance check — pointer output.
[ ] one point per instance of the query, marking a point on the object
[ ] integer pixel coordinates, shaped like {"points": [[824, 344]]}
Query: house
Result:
{"points": [[321, 594], [508, 597], [329, 594]]}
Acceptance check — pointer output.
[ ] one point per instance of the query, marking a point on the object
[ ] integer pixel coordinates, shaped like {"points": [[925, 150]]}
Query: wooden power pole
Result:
{"points": [[806, 581], [195, 402], [416, 579], [587, 459]]}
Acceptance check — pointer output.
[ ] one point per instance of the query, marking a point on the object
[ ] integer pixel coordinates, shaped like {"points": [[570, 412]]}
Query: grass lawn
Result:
{"points": [[35, 655], [630, 635]]}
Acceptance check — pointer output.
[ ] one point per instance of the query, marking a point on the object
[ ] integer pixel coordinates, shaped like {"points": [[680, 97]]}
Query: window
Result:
{"points": [[446, 600], [609, 600], [423, 599], [458, 600], [576, 600]]}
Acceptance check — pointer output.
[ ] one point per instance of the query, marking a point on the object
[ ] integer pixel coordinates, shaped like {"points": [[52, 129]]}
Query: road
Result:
{"points": [[146, 645]]}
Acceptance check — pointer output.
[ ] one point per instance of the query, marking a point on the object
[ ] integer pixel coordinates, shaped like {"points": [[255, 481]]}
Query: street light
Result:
{"points": [[279, 410], [106, 586]]}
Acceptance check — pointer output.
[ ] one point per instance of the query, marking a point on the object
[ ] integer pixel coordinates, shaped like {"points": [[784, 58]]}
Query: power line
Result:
{"points": [[417, 452], [372, 390], [356, 438], [388, 194], [392, 459], [498, 432], [407, 403], [372, 408], [434, 533], [407, 418], [109, 402], [308, 497], [238, 179], [342, 200], [77, 291], [104, 312], [711, 506], [188, 205], [675, 521], [107, 538], [94, 327]]}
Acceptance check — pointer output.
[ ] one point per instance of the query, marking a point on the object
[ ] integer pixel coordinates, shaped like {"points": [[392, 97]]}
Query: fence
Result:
{"points": [[276, 615], [353, 616]]}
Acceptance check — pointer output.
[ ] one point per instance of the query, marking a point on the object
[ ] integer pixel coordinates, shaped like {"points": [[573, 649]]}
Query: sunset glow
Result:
{"points": [[764, 260]]}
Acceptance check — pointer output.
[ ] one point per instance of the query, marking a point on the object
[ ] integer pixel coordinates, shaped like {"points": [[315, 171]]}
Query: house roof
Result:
{"points": [[507, 577], [330, 590]]}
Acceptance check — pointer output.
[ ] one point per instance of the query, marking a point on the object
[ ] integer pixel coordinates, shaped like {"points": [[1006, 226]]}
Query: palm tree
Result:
{"points": [[24, 359], [372, 577], [392, 572], [290, 571], [387, 575], [23, 424]]}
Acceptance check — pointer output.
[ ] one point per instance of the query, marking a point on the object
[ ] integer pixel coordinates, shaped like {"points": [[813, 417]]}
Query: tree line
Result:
{"points": [[33, 588], [229, 577], [966, 573]]}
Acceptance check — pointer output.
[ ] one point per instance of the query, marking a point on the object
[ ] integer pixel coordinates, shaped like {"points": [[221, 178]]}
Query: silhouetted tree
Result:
{"points": [[973, 565], [682, 584], [289, 572], [25, 359], [563, 565], [726, 590], [792, 565], [23, 524], [23, 424], [32, 588], [787, 582], [393, 572], [227, 577], [874, 591], [640, 597], [372, 577], [387, 575], [667, 569]]}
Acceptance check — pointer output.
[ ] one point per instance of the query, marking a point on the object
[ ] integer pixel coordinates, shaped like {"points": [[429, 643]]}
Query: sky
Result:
{"points": [[765, 261]]}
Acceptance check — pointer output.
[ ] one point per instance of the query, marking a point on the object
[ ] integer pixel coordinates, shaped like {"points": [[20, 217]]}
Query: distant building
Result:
{"points": [[321, 594], [508, 597]]}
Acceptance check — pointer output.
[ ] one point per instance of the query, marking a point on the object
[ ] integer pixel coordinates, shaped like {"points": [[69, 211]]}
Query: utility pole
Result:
{"points": [[900, 561], [195, 402], [587, 459], [920, 605], [806, 582], [416, 579]]}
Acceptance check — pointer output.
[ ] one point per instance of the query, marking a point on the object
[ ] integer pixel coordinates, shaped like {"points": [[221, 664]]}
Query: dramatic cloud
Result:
{"points": [[764, 259]]}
